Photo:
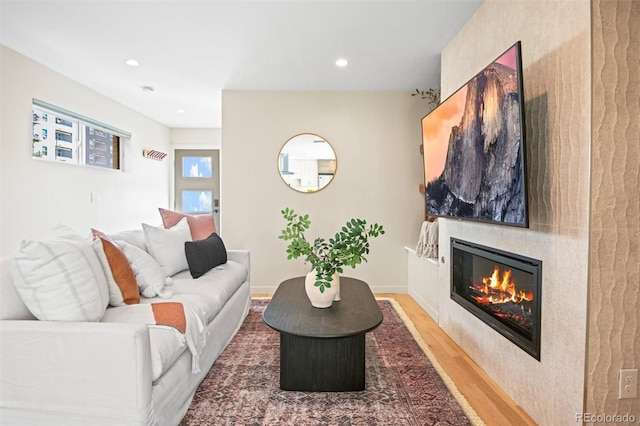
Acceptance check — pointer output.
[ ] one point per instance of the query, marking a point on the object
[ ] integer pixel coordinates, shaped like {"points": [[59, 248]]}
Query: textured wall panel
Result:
{"points": [[614, 287], [555, 38]]}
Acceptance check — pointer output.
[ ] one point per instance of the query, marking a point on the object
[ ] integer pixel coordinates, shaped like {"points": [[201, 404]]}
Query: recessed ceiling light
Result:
{"points": [[342, 63], [180, 111], [132, 62]]}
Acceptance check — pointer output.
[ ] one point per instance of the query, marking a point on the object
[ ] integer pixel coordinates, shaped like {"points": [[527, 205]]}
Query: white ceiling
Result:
{"points": [[189, 51]]}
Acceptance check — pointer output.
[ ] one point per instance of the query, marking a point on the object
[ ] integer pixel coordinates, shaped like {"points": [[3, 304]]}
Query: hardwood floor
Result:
{"points": [[489, 401]]}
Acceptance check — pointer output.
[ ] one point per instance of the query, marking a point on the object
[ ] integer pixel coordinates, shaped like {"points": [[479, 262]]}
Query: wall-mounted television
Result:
{"points": [[474, 148]]}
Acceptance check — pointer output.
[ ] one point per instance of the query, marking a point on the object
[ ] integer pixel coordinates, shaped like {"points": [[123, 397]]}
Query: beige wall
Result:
{"points": [[36, 195], [196, 138], [555, 39], [376, 136], [614, 288]]}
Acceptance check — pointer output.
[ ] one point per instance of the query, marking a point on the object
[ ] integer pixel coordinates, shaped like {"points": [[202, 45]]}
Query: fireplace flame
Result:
{"points": [[500, 288]]}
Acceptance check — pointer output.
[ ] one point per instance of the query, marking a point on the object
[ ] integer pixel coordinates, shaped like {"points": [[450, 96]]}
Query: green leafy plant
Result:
{"points": [[431, 95], [348, 246]]}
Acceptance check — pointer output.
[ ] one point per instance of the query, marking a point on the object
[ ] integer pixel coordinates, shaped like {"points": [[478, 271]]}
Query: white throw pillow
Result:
{"points": [[131, 236], [167, 246], [150, 277], [60, 277]]}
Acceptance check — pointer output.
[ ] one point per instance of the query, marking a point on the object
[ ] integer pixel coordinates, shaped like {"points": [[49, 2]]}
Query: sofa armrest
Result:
{"points": [[241, 256], [74, 371]]}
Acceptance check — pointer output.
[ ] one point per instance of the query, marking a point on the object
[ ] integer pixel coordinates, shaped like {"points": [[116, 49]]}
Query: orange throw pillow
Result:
{"points": [[121, 270], [201, 225]]}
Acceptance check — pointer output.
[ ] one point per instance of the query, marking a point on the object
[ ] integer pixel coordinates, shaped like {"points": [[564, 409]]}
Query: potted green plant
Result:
{"points": [[348, 247]]}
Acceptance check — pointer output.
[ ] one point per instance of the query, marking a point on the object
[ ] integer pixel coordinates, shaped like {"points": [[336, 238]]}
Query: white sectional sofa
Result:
{"points": [[108, 371]]}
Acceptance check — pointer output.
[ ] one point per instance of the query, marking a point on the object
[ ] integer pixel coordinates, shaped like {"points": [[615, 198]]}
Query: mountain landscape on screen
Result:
{"points": [[482, 176]]}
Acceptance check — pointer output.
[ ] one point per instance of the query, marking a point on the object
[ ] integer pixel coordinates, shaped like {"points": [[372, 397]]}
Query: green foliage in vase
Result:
{"points": [[348, 246]]}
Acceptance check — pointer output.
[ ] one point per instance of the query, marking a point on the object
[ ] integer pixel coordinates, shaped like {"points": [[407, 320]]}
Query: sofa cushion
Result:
{"points": [[211, 291], [207, 295], [150, 278], [166, 348], [201, 226], [204, 255], [167, 246], [166, 343], [60, 277], [123, 288]]}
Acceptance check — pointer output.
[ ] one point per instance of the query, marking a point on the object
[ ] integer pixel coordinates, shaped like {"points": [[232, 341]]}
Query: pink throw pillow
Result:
{"points": [[201, 225]]}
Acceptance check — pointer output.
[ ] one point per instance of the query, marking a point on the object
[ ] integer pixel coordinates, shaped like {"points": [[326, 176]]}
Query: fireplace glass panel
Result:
{"points": [[502, 289]]}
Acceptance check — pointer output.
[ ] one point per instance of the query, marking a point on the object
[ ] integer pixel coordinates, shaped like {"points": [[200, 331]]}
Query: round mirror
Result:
{"points": [[307, 162]]}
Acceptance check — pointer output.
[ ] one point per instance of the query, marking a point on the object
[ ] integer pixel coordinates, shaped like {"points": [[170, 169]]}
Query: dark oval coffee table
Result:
{"points": [[322, 350]]}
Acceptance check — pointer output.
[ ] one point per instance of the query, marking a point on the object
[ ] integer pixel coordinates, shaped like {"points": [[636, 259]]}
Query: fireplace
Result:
{"points": [[501, 289]]}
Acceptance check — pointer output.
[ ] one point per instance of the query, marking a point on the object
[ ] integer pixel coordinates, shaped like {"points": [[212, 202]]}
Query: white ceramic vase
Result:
{"points": [[336, 283], [322, 300]]}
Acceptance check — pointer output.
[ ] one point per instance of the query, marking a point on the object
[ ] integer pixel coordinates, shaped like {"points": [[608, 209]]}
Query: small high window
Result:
{"points": [[64, 136]]}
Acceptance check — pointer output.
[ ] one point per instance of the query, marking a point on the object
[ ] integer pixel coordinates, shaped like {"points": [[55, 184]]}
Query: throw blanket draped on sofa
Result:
{"points": [[189, 323]]}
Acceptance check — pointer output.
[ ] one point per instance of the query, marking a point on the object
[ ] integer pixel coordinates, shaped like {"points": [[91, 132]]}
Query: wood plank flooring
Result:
{"points": [[490, 402]]}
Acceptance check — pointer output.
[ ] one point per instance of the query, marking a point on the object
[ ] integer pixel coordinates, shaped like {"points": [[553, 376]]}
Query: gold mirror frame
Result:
{"points": [[307, 163]]}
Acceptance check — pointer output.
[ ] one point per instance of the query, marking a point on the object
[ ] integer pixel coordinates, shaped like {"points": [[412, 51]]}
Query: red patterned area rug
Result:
{"points": [[404, 384]]}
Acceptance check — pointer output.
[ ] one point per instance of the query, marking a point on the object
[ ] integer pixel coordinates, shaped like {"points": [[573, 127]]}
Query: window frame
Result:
{"points": [[195, 183], [75, 139]]}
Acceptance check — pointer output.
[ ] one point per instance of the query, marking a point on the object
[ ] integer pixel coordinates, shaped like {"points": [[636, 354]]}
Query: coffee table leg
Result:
{"points": [[322, 365]]}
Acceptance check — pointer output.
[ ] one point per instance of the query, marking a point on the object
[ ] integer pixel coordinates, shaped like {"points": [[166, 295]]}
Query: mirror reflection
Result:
{"points": [[307, 162]]}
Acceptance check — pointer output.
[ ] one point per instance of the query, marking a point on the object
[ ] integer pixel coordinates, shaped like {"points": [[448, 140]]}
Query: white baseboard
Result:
{"points": [[263, 290], [429, 308], [389, 289], [377, 289]]}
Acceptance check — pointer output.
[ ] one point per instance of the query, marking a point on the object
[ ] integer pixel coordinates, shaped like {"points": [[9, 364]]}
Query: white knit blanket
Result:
{"points": [[428, 241]]}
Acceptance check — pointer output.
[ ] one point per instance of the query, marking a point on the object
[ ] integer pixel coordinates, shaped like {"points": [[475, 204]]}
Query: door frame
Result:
{"points": [[172, 192]]}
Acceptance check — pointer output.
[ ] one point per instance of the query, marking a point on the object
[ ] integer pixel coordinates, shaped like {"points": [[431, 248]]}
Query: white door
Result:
{"points": [[197, 182]]}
